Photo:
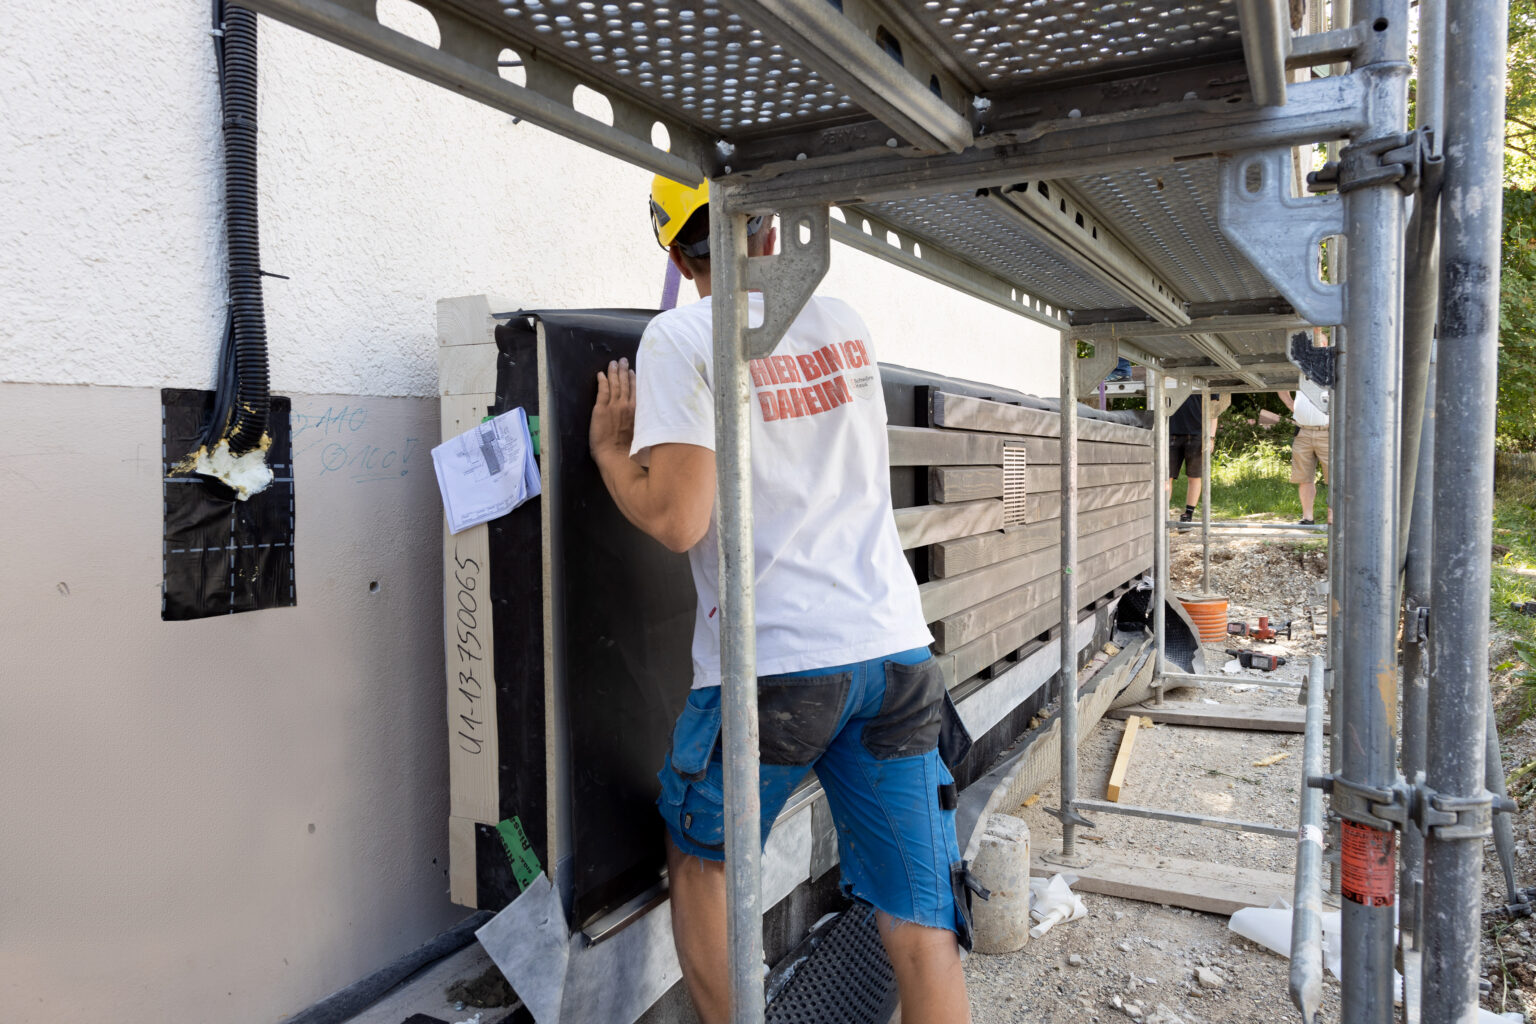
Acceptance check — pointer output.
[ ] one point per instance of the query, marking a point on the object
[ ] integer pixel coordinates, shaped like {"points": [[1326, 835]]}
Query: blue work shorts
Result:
{"points": [[870, 731]]}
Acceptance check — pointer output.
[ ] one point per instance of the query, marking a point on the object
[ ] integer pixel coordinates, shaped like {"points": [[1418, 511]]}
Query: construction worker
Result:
{"points": [[846, 686], [1185, 449]]}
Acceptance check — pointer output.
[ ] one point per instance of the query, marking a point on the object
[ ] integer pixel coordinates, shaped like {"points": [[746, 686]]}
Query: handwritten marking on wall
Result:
{"points": [[339, 436]]}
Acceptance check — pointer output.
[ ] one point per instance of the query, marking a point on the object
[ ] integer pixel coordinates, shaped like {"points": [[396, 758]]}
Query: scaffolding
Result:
{"points": [[1128, 174]]}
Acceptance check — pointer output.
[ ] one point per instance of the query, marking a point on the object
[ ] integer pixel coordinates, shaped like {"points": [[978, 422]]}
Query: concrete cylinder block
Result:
{"points": [[1002, 865]]}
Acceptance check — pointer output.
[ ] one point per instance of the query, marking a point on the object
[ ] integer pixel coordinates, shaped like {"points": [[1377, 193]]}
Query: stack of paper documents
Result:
{"points": [[488, 471]]}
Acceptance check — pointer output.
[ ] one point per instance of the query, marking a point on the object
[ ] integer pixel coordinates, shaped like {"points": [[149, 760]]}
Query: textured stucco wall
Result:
{"points": [[160, 779], [380, 194]]}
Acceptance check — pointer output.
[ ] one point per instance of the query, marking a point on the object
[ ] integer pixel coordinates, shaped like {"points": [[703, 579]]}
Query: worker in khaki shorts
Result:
{"points": [[1308, 450]]}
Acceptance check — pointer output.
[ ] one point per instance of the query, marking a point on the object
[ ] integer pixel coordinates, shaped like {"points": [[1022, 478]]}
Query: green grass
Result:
{"points": [[1254, 482], [1514, 528]]}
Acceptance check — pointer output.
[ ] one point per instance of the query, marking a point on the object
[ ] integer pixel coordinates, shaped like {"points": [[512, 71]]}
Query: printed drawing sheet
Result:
{"points": [[486, 471]]}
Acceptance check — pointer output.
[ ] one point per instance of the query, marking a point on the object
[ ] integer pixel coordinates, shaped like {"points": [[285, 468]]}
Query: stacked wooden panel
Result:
{"points": [[994, 585]]}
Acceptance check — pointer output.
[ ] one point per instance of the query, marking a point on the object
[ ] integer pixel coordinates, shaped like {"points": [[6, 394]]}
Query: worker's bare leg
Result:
{"points": [[1308, 494], [928, 971], [698, 929], [1193, 497]]}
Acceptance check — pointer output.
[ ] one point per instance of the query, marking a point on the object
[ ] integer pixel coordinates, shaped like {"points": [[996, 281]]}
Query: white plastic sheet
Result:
{"points": [[1052, 901]]}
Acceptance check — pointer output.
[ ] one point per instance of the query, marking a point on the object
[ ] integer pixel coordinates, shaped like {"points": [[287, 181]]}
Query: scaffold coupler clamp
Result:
{"points": [[1385, 808], [1405, 159], [1415, 624], [1457, 817]]}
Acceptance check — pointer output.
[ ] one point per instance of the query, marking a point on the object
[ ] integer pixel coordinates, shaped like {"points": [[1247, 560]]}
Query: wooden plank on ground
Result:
{"points": [[926, 446], [962, 412], [1196, 885], [1221, 716], [1038, 507], [948, 484], [954, 557], [925, 524], [1123, 757], [1046, 478]]}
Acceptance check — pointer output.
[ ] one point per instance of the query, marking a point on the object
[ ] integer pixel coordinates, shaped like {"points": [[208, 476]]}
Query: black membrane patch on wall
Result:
{"points": [[222, 555]]}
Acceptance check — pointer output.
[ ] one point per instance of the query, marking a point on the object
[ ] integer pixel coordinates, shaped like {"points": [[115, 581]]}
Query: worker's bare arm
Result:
{"points": [[672, 500], [1290, 403]]}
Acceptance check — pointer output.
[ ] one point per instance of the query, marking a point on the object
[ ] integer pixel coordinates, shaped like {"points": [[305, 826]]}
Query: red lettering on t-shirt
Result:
{"points": [[770, 408], [828, 396], [798, 400], [858, 343], [786, 410], [840, 385], [822, 360], [851, 355], [808, 367], [787, 372], [812, 401], [759, 373]]}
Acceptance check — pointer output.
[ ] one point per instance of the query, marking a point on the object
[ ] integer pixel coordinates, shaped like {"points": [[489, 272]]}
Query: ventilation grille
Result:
{"points": [[1014, 490]]}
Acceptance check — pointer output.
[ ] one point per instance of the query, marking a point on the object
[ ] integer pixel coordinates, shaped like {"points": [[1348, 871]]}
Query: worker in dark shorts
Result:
{"points": [[1184, 443]]}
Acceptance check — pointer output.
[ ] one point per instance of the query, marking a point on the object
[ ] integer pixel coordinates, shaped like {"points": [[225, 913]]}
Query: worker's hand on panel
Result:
{"points": [[613, 417]]}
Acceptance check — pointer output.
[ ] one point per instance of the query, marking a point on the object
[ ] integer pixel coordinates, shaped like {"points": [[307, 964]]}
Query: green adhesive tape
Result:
{"points": [[525, 863]]}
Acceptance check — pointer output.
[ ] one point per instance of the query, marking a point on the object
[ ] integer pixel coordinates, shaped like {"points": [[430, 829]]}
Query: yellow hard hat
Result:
{"points": [[671, 206]]}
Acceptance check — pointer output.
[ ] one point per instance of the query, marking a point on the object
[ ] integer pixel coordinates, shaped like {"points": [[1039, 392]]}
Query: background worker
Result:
{"points": [[1184, 447], [1309, 449], [847, 686]]}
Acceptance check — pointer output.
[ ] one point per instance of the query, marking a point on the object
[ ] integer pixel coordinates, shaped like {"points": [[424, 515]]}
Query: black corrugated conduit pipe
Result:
{"points": [[247, 421]]}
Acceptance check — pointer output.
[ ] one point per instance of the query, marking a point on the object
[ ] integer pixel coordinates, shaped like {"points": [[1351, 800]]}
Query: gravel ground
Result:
{"points": [[1136, 961]]}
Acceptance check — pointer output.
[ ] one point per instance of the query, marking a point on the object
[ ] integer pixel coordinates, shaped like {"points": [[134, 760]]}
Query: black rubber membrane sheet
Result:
{"points": [[222, 555]]}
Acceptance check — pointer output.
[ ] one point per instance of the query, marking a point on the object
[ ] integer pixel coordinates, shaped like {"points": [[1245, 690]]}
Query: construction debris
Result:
{"points": [[1054, 902]]}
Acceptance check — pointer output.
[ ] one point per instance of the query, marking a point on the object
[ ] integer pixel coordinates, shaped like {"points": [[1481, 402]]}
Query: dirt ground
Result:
{"points": [[1162, 965]]}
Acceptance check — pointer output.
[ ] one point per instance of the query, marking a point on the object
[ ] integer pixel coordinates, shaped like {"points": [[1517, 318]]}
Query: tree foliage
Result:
{"points": [[1520, 97], [1517, 322], [1517, 287]]}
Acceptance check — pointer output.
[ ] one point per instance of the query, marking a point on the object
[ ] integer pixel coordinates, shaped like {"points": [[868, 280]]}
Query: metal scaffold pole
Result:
{"points": [[1068, 593], [1307, 920], [1367, 516], [1156, 389], [1416, 497], [1416, 595], [1466, 391], [1207, 444], [738, 637]]}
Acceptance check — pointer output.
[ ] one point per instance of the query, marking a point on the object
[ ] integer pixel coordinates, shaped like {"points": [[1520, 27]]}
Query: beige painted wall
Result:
{"points": [[219, 820]]}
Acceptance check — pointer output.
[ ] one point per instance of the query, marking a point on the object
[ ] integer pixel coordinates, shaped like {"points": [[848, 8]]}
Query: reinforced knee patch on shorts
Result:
{"points": [[910, 714]]}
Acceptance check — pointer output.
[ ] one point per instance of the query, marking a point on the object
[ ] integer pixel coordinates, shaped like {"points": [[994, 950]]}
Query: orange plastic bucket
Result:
{"points": [[1209, 615]]}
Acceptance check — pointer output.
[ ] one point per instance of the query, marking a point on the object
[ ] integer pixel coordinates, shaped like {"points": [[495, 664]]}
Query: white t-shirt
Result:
{"points": [[1307, 414], [832, 585]]}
